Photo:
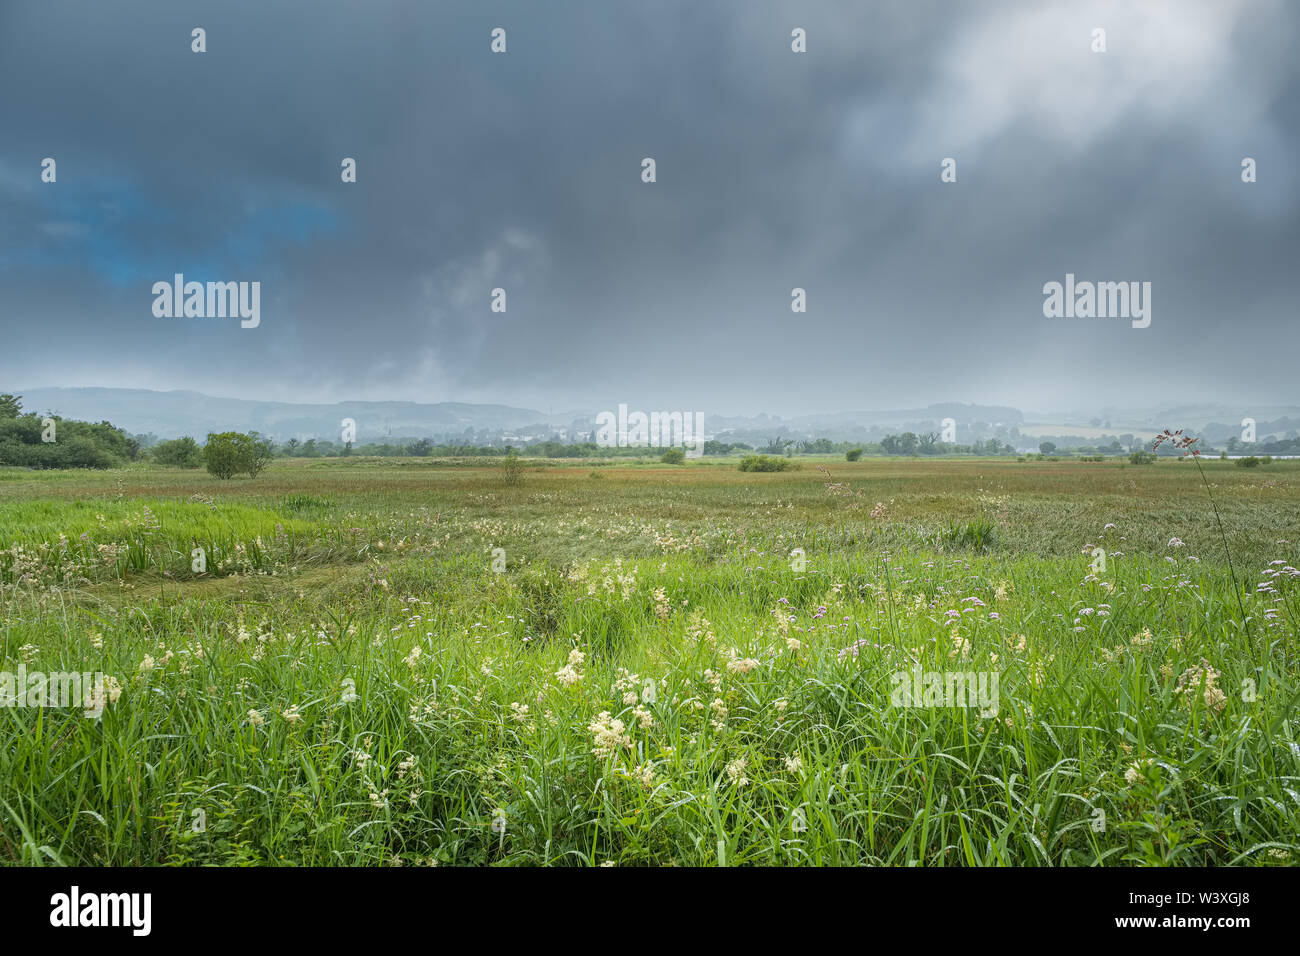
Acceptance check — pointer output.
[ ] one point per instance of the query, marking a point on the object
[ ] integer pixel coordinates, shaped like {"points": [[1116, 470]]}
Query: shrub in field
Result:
{"points": [[1249, 462], [512, 469], [1141, 458], [853, 454], [766, 463], [233, 453], [180, 452], [673, 456]]}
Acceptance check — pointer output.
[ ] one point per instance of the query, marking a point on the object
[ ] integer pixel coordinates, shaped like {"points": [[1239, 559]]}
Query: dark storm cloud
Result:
{"points": [[775, 170]]}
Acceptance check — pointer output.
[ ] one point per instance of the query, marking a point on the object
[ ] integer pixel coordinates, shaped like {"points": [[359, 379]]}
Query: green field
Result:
{"points": [[414, 661]]}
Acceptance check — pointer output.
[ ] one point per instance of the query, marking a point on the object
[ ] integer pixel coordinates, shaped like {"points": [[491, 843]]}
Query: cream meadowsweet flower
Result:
{"points": [[255, 718], [794, 763], [1134, 775], [1198, 677], [607, 734], [568, 675], [741, 665], [736, 772]]}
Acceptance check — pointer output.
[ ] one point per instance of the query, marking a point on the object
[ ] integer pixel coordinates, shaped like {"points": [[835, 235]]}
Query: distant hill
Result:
{"points": [[177, 413]]}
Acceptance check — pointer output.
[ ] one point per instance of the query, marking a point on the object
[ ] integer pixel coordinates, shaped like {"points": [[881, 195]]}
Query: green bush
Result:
{"points": [[1249, 462], [512, 469], [1141, 458], [673, 456], [23, 440], [179, 452], [766, 463], [853, 454], [233, 453], [228, 453]]}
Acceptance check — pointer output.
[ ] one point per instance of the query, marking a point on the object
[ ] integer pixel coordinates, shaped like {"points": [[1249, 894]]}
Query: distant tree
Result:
{"points": [[673, 456], [853, 454], [227, 454], [10, 405], [261, 451], [179, 452], [1047, 448], [232, 453]]}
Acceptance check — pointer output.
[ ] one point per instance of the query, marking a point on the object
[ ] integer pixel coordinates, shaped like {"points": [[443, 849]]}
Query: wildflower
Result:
{"points": [[291, 715], [719, 713], [607, 733], [569, 674], [255, 718], [794, 763], [1202, 676], [1134, 775], [736, 772], [740, 665], [662, 605]]}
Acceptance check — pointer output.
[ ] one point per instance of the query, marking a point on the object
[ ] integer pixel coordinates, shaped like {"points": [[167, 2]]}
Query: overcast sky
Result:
{"points": [[775, 170]]}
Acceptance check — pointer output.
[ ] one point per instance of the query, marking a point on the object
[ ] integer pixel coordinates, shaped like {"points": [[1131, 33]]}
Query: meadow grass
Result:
{"points": [[413, 662]]}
